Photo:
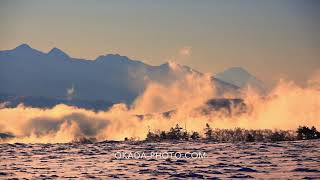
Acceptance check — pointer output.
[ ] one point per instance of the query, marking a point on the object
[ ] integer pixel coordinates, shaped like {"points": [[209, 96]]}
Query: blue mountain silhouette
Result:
{"points": [[25, 71]]}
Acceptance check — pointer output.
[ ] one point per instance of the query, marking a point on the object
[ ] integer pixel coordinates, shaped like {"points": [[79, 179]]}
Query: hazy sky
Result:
{"points": [[270, 38]]}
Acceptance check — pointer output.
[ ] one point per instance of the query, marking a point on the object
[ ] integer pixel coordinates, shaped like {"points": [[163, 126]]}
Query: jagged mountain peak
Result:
{"points": [[55, 52], [23, 50], [22, 47]]}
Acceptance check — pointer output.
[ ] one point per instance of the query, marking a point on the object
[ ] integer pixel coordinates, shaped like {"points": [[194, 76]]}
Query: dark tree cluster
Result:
{"points": [[307, 133], [233, 135], [244, 135], [175, 133]]}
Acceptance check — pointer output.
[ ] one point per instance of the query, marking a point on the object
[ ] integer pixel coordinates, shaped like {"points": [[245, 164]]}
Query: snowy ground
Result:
{"points": [[283, 160]]}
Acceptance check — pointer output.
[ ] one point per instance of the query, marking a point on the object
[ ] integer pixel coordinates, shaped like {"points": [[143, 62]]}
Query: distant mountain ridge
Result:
{"points": [[241, 78], [25, 71]]}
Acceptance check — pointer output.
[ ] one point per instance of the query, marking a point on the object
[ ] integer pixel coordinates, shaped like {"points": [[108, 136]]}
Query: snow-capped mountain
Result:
{"points": [[241, 78]]}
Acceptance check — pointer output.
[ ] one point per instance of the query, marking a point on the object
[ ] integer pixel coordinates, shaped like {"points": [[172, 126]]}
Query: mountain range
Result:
{"points": [[28, 72]]}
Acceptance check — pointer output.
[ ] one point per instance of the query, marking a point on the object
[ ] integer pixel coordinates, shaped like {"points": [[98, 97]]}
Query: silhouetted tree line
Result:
{"points": [[177, 133], [307, 133]]}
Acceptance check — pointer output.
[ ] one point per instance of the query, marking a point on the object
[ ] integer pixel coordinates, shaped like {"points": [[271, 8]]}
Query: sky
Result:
{"points": [[271, 39]]}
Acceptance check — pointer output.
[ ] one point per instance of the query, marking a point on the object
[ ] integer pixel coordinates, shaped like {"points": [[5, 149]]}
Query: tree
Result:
{"points": [[185, 135], [208, 132], [175, 133], [195, 136], [152, 136], [315, 133], [307, 133], [249, 138], [163, 135], [277, 136]]}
